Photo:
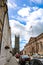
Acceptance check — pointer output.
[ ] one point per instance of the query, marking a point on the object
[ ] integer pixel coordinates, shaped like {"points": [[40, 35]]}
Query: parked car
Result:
{"points": [[38, 57], [41, 56], [24, 59], [35, 62], [35, 55]]}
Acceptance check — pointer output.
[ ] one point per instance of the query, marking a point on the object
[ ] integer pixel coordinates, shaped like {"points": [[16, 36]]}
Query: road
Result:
{"points": [[12, 61], [41, 60]]}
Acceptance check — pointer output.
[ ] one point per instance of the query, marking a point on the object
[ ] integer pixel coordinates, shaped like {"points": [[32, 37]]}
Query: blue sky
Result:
{"points": [[26, 19]]}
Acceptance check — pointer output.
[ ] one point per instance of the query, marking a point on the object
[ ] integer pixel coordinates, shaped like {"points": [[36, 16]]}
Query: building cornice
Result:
{"points": [[2, 3], [34, 39], [39, 36]]}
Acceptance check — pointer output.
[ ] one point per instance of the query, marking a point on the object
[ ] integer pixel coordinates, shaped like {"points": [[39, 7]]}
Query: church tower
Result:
{"points": [[16, 44]]}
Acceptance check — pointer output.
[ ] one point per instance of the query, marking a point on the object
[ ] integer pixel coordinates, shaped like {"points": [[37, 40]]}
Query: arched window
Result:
{"points": [[41, 45]]}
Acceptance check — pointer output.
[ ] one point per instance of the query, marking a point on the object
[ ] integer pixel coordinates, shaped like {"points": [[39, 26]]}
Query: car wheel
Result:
{"points": [[36, 62]]}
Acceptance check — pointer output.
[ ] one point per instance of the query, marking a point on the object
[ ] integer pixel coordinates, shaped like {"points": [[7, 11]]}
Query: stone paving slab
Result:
{"points": [[12, 61]]}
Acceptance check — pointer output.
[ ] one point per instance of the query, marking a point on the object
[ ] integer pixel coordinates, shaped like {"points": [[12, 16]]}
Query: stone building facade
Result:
{"points": [[3, 10], [35, 45], [17, 44], [5, 34]]}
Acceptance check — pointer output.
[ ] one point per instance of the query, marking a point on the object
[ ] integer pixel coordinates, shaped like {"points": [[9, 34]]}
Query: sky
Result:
{"points": [[26, 19]]}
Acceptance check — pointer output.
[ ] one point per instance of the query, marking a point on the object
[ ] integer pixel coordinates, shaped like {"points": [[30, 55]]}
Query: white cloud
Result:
{"points": [[35, 15], [11, 4], [24, 4], [16, 27], [37, 1], [35, 8], [19, 18], [32, 19], [13, 44], [22, 46], [24, 11]]}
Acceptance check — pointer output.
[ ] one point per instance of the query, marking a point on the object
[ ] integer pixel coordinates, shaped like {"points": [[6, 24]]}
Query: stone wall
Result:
{"points": [[6, 34], [35, 45]]}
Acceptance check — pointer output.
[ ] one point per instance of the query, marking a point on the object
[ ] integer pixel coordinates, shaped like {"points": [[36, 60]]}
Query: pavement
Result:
{"points": [[12, 61], [17, 60]]}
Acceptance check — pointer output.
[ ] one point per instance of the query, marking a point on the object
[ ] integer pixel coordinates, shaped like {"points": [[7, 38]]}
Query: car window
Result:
{"points": [[25, 56]]}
